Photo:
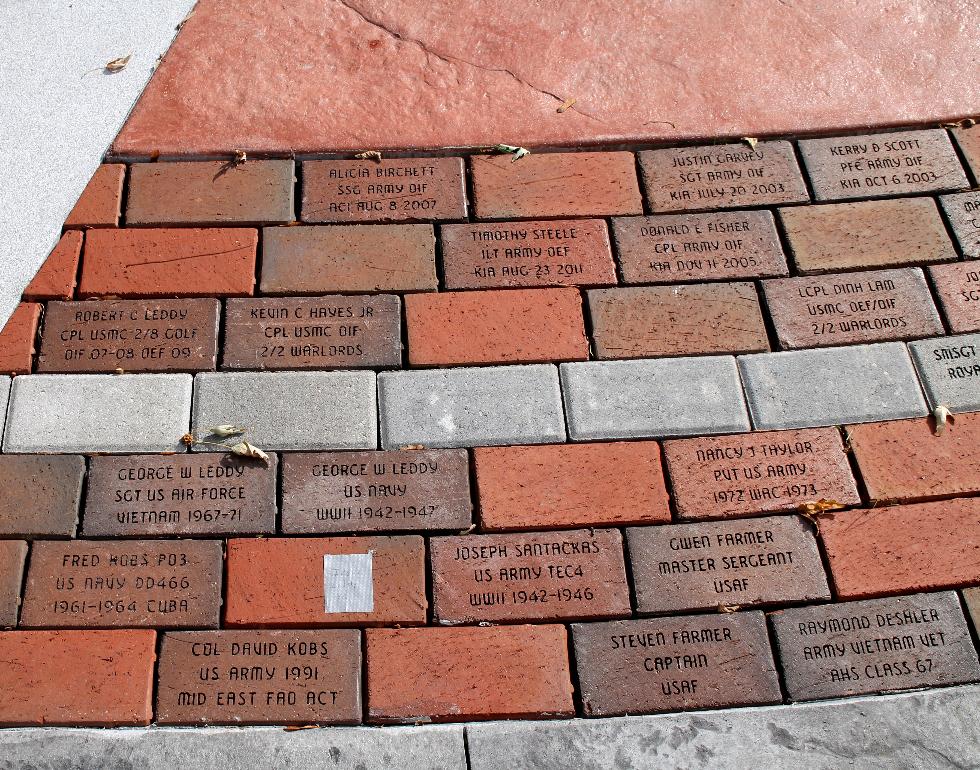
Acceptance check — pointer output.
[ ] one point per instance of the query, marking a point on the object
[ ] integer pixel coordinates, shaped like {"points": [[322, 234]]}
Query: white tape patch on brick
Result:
{"points": [[348, 582]]}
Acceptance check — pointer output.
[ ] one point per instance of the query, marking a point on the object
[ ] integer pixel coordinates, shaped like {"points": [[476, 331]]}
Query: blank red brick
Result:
{"points": [[461, 674], [12, 556], [484, 327], [958, 289], [56, 278], [101, 200], [571, 485], [17, 339], [185, 262], [76, 678], [903, 548]]}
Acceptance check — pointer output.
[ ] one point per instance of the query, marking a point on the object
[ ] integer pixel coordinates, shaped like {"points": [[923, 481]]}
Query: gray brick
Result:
{"points": [[653, 398], [949, 368], [831, 386], [64, 413], [4, 393], [291, 410], [484, 406]]}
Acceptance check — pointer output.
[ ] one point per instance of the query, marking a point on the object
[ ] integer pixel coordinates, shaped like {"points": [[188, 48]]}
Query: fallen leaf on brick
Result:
{"points": [[751, 141], [517, 152], [941, 415], [729, 608], [244, 449], [965, 123], [294, 728], [566, 104], [240, 156], [816, 507], [223, 431], [118, 64], [187, 439], [414, 446], [369, 155]]}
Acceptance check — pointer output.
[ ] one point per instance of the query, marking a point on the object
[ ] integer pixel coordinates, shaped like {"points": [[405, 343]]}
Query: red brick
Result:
{"points": [[958, 289], [459, 674], [41, 494], [568, 184], [903, 548], [12, 556], [693, 319], [485, 327], [186, 262], [571, 485], [868, 234], [56, 278], [205, 192], [17, 339], [968, 140], [905, 459], [76, 678], [280, 581], [101, 200]]}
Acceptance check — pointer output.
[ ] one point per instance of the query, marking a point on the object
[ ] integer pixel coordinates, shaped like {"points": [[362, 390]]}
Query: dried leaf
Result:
{"points": [[566, 104], [244, 449], [816, 507], [187, 439], [965, 123], [294, 728], [119, 64], [941, 415], [414, 446], [751, 141], [729, 608], [240, 156], [223, 431], [521, 152], [369, 155]]}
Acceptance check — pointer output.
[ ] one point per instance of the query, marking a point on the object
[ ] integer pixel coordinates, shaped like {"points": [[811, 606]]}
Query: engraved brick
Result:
{"points": [[56, 278], [674, 664], [571, 485], [819, 311], [12, 556], [561, 184], [452, 674], [105, 584], [878, 165], [882, 645], [727, 563], [101, 200], [968, 140], [762, 472], [205, 494], [334, 332], [205, 192], [486, 327], [694, 319], [917, 547], [949, 368], [958, 289], [17, 339], [390, 190], [675, 248], [286, 582], [290, 677], [175, 335], [376, 491], [572, 575], [40, 495], [77, 678], [963, 212], [867, 234], [722, 176]]}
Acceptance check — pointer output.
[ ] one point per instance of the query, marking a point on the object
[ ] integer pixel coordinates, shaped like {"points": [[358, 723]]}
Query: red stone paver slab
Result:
{"points": [[56, 278], [905, 460], [879, 165], [818, 311], [968, 140], [957, 288], [13, 553], [484, 327], [174, 262], [287, 582], [77, 678], [572, 575], [963, 212], [564, 252], [389, 190], [376, 491], [260, 677], [674, 664], [917, 547], [722, 477], [867, 234], [177, 335], [101, 200], [348, 258], [459, 674], [882, 645], [210, 192], [560, 184], [104, 584], [693, 319], [570, 485], [712, 246], [17, 339], [725, 564], [41, 495]]}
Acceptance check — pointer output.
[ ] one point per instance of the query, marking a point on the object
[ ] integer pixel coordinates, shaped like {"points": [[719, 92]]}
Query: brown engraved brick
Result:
{"points": [[723, 477], [576, 574], [162, 335], [202, 494], [56, 278], [727, 563], [674, 664], [817, 311], [260, 677], [968, 140], [958, 289], [390, 190], [878, 165], [881, 645], [963, 212], [376, 491], [564, 252], [105, 584], [722, 176], [40, 495], [693, 319], [101, 200], [12, 556]]}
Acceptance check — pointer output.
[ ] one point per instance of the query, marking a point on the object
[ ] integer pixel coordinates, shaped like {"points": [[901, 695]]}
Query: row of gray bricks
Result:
{"points": [[489, 405]]}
